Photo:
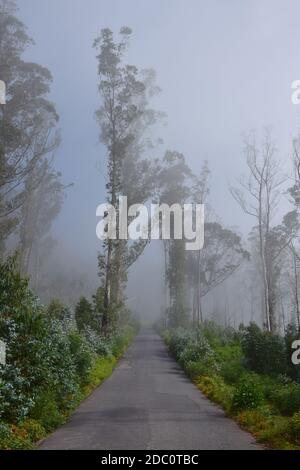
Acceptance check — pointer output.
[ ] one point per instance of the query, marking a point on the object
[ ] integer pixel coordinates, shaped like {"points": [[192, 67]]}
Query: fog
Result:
{"points": [[224, 69]]}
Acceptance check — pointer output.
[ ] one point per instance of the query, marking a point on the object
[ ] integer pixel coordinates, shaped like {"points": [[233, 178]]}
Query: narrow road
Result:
{"points": [[148, 403]]}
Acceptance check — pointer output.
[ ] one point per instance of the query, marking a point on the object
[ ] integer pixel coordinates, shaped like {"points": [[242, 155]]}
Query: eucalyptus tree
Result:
{"points": [[44, 194], [221, 256], [175, 179], [27, 121], [200, 191], [124, 117]]}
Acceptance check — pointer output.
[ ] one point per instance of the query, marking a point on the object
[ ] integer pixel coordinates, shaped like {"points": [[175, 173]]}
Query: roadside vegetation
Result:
{"points": [[55, 357], [59, 346], [249, 373]]}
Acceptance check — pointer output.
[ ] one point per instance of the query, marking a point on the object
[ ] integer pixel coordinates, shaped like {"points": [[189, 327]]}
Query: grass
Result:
{"points": [[267, 427], [101, 370]]}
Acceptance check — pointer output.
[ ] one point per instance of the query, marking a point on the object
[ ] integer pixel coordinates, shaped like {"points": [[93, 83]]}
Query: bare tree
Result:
{"points": [[258, 196], [200, 194]]}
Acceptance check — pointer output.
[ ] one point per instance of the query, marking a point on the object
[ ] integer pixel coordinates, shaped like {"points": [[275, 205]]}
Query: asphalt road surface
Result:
{"points": [[148, 403]]}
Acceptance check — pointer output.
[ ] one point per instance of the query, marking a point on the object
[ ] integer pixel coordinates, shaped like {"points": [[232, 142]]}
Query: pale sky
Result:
{"points": [[225, 67]]}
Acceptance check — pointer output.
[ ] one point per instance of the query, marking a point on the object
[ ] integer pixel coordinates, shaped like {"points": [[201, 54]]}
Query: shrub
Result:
{"points": [[254, 419], [216, 334], [215, 388], [33, 429], [228, 351], [294, 427], [50, 365], [196, 350], [102, 368], [265, 353], [97, 343], [5, 435], [205, 366], [84, 315], [287, 398], [231, 359], [267, 427], [62, 378], [120, 341], [46, 411], [38, 352], [15, 403], [247, 395], [191, 346], [13, 438], [179, 340], [56, 310], [82, 357], [231, 371], [166, 335]]}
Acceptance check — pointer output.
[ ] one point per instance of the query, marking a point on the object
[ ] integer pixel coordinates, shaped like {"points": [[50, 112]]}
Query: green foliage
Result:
{"points": [[247, 395], [120, 341], [13, 288], [294, 427], [82, 356], [20, 438], [5, 435], [267, 427], [267, 383], [102, 368], [232, 370], [14, 401], [11, 438], [34, 430], [206, 366], [27, 127], [231, 360], [198, 351], [248, 372], [216, 389], [286, 398], [46, 411], [99, 344], [218, 336], [178, 340], [50, 365], [56, 310], [265, 352], [84, 315]]}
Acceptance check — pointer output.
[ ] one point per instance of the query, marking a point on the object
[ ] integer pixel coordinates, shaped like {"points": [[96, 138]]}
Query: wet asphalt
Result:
{"points": [[148, 403]]}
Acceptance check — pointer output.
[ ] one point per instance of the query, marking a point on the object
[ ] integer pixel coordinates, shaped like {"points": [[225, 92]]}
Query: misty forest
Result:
{"points": [[100, 125]]}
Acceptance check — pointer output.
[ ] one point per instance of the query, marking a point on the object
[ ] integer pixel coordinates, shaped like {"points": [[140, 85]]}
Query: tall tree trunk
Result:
{"points": [[296, 291]]}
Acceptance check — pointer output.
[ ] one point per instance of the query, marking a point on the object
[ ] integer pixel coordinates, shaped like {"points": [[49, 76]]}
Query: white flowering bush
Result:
{"points": [[40, 355], [100, 345], [15, 404], [193, 350], [179, 340], [51, 364], [196, 350]]}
